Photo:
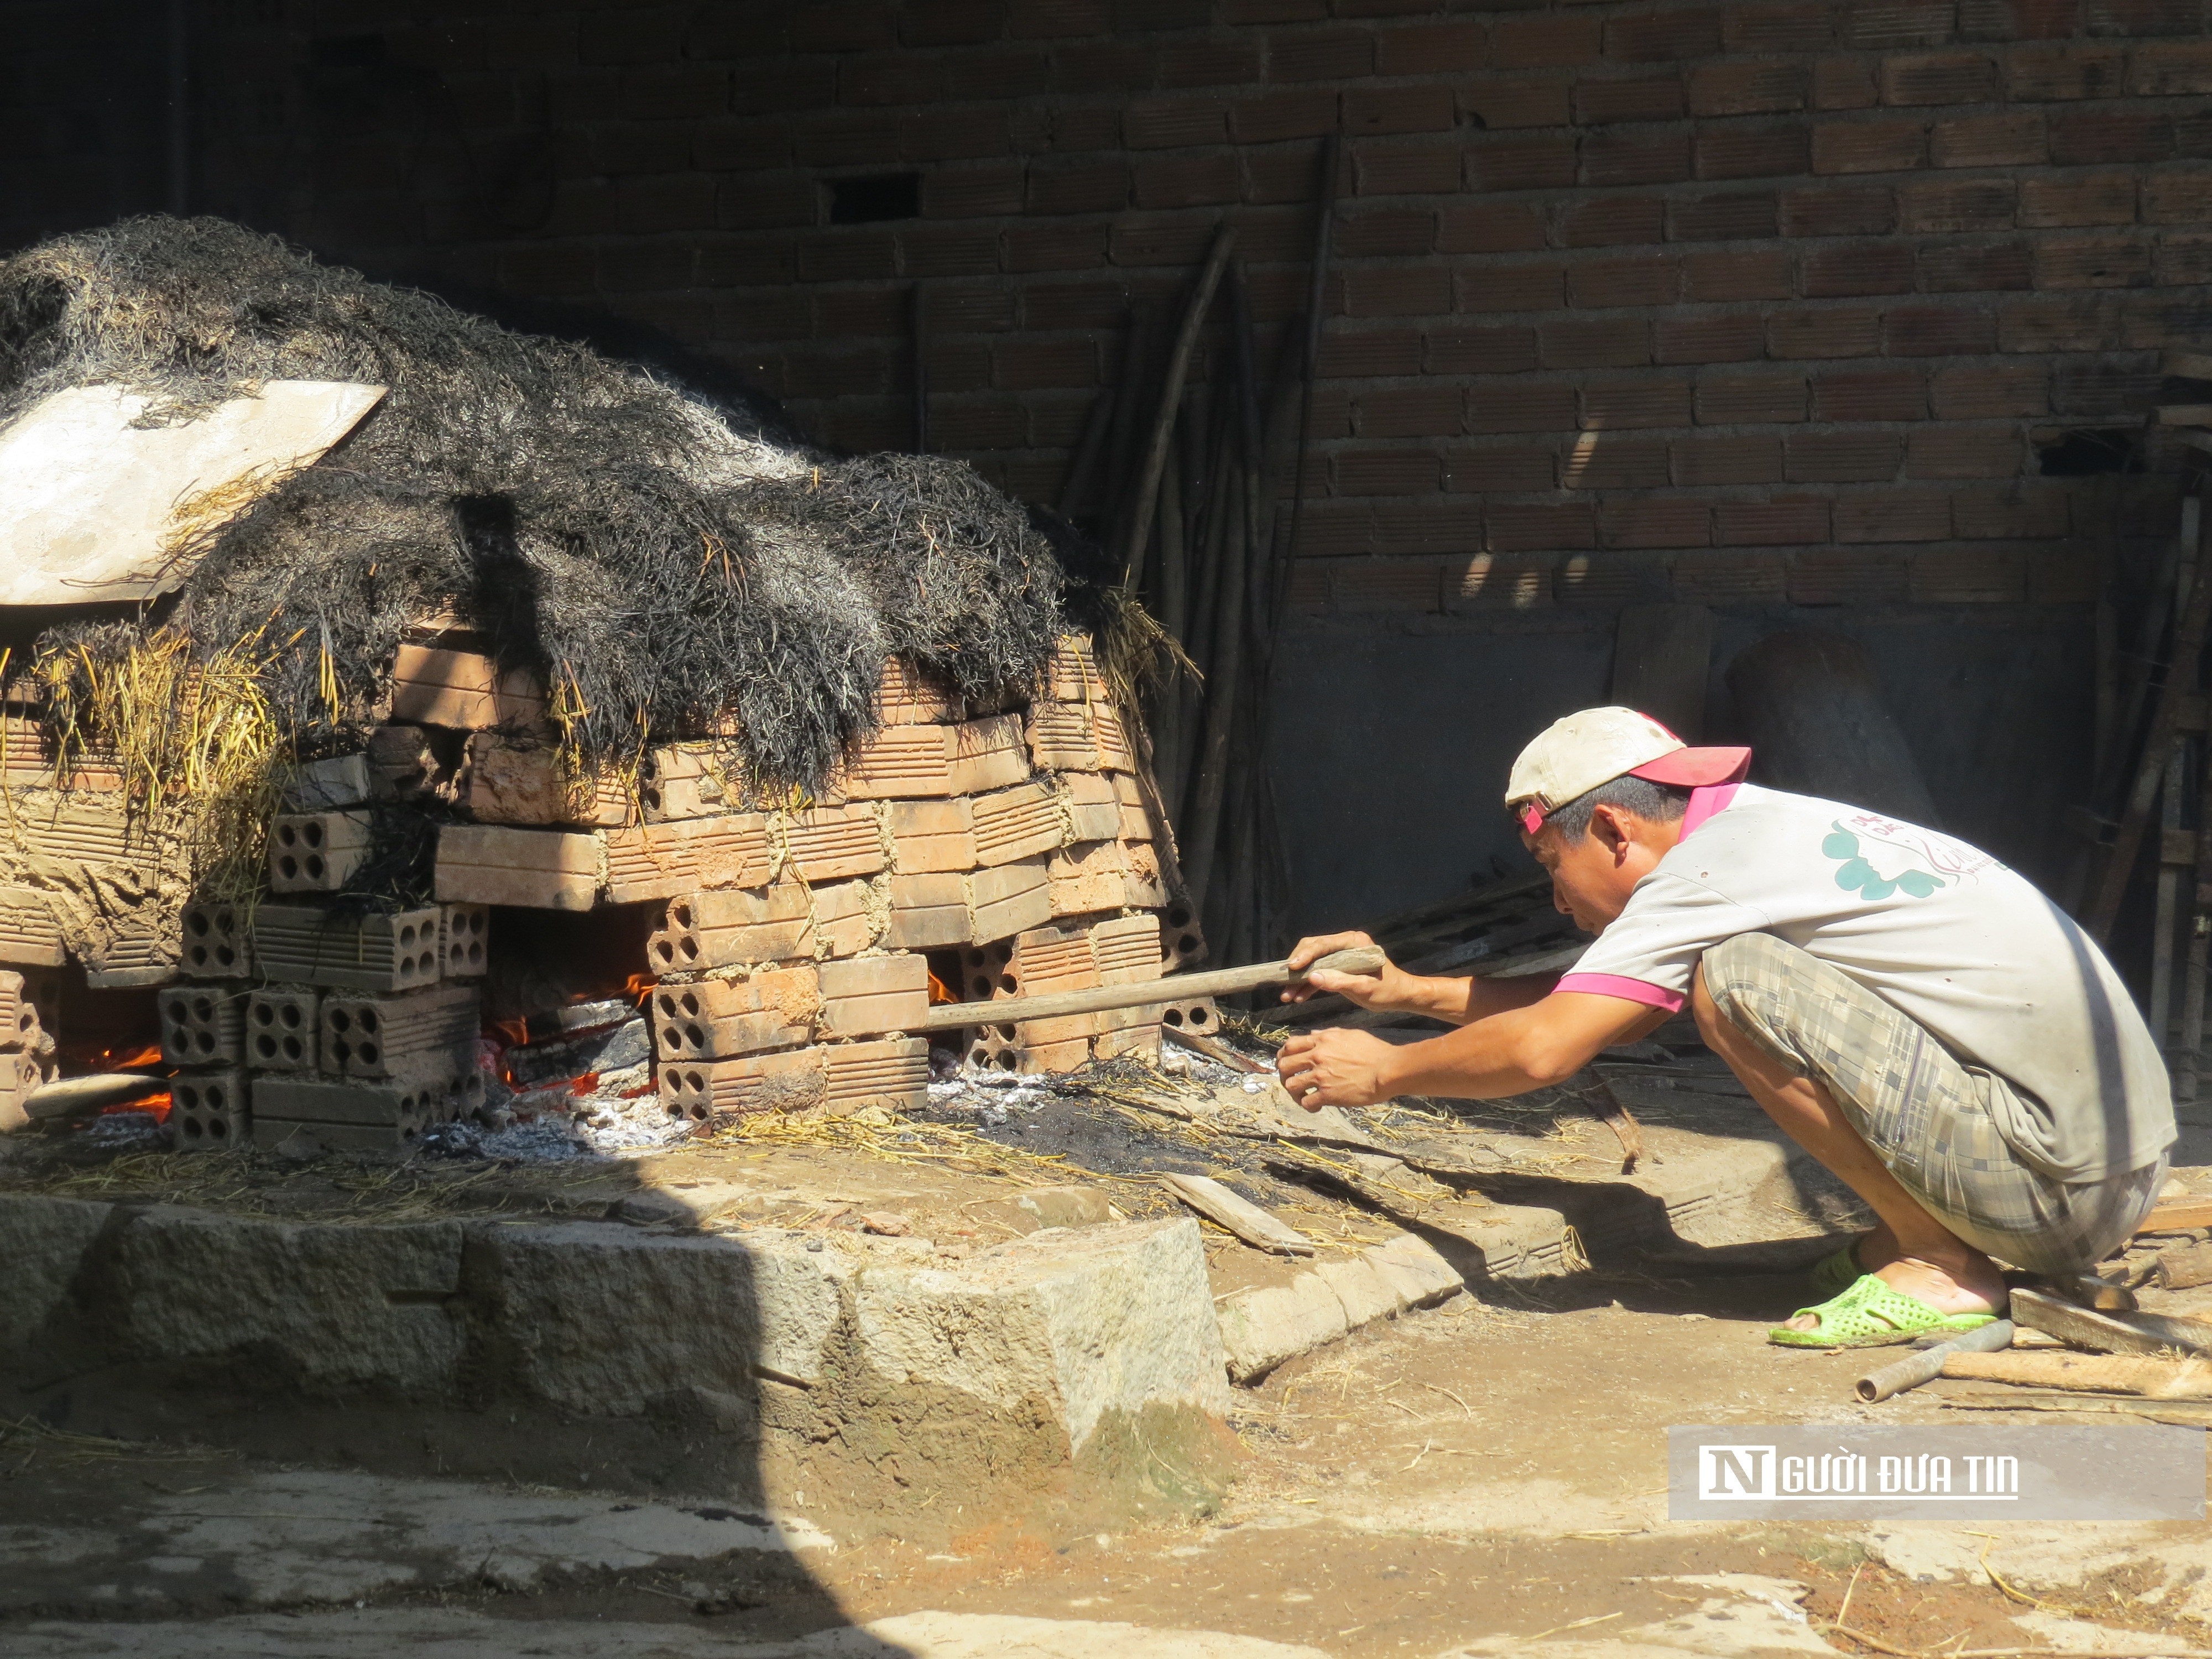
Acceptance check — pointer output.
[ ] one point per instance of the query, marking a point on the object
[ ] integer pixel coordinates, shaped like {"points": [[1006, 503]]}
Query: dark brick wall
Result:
{"points": [[83, 114], [1770, 306], [1751, 305]]}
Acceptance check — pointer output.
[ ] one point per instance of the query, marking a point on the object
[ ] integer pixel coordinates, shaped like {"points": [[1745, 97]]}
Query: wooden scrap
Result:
{"points": [[2089, 1291], [2185, 1267], [2154, 1379], [1220, 1053], [2109, 1333], [1241, 1217], [2177, 1215]]}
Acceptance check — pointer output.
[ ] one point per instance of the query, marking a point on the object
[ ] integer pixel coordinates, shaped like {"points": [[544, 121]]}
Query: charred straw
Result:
{"points": [[671, 566]]}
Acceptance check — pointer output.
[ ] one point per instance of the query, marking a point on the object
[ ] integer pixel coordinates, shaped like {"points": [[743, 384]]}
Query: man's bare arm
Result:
{"points": [[1457, 1000], [1509, 1053]]}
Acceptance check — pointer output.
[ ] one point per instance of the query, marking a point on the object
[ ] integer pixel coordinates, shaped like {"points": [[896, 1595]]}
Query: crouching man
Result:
{"points": [[1916, 1015]]}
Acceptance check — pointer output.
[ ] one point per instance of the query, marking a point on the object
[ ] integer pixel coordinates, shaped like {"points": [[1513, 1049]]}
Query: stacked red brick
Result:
{"points": [[792, 957]]}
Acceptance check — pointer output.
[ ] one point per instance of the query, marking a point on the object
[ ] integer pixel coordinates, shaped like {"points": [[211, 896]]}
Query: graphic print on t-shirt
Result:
{"points": [[1878, 856]]}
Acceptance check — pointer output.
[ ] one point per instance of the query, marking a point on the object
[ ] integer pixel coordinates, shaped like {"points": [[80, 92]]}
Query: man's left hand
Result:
{"points": [[1335, 1068]]}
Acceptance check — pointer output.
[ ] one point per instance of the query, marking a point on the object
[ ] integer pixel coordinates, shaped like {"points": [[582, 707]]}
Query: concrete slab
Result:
{"points": [[764, 1364], [432, 1634], [278, 1538]]}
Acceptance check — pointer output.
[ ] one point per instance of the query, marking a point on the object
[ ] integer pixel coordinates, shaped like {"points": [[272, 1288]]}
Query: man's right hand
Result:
{"points": [[1383, 990]]}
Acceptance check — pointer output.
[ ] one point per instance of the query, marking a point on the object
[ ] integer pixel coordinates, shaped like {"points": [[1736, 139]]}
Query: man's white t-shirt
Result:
{"points": [[1943, 933]]}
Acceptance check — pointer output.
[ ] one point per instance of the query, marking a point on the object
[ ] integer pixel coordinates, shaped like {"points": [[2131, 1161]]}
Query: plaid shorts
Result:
{"points": [[1925, 1112]]}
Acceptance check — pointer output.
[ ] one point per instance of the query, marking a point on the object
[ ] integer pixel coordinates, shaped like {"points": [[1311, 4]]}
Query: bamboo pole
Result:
{"points": [[1129, 395], [2181, 677], [1224, 675], [1176, 791], [1331, 150], [1197, 408], [1089, 448], [1101, 998], [1174, 614], [1156, 450]]}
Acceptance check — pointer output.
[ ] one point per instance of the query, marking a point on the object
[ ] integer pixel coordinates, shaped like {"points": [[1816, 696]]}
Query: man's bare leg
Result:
{"points": [[1910, 1250]]}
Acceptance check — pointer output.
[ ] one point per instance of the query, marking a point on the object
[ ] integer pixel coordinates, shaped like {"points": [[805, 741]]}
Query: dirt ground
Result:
{"points": [[1485, 1476], [1488, 1475]]}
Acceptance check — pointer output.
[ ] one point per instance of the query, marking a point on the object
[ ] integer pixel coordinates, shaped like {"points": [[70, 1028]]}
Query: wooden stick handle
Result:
{"points": [[1179, 987]]}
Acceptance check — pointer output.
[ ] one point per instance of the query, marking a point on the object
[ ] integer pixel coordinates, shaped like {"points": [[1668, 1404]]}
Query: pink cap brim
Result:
{"points": [[1686, 768], [1695, 768]]}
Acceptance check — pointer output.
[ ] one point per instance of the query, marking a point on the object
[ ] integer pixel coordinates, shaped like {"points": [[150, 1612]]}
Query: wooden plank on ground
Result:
{"points": [[2178, 1215], [2109, 1333], [2095, 1373], [1255, 1226]]}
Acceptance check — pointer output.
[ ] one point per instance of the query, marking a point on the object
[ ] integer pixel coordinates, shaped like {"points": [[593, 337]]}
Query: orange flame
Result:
{"points": [[638, 986], [940, 991]]}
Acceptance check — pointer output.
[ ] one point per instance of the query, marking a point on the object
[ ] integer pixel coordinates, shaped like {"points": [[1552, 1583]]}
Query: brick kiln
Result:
{"points": [[648, 750], [965, 851]]}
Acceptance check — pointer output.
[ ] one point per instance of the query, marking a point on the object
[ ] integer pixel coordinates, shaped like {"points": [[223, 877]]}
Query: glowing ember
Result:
{"points": [[156, 1107]]}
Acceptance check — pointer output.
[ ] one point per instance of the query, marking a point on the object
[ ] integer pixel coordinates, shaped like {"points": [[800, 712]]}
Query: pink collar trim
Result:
{"points": [[1704, 802]]}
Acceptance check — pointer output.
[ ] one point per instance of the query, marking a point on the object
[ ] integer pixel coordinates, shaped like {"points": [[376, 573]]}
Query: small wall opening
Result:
{"points": [[2084, 452], [870, 198]]}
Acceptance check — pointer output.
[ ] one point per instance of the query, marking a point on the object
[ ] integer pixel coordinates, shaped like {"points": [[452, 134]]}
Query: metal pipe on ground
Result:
{"points": [[1927, 1364]]}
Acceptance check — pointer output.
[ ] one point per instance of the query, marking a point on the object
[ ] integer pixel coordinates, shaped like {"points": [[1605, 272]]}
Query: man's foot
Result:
{"points": [[1969, 1284]]}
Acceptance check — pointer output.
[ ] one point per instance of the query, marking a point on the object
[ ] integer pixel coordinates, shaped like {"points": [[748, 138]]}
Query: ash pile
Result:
{"points": [[406, 721]]}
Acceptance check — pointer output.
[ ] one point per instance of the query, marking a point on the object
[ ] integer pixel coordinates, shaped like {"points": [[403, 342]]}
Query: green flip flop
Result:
{"points": [[1834, 1274], [1870, 1314]]}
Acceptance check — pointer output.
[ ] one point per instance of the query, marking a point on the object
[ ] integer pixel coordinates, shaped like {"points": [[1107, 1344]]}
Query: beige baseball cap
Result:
{"points": [[1573, 756]]}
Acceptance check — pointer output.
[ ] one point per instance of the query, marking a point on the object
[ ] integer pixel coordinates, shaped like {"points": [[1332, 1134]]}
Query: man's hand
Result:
{"points": [[1335, 1067], [1366, 990]]}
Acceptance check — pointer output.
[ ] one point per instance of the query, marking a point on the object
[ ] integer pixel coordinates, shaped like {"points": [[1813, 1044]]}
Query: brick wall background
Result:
{"points": [[83, 114], [1766, 306]]}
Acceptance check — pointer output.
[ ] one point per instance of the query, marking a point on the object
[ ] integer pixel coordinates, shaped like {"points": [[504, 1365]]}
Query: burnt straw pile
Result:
{"points": [[546, 681]]}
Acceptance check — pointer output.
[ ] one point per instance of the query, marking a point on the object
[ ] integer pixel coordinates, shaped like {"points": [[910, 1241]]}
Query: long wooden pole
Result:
{"points": [[1089, 448], [2181, 677], [1225, 670], [1121, 442], [1331, 149], [1179, 987], [1156, 451]]}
